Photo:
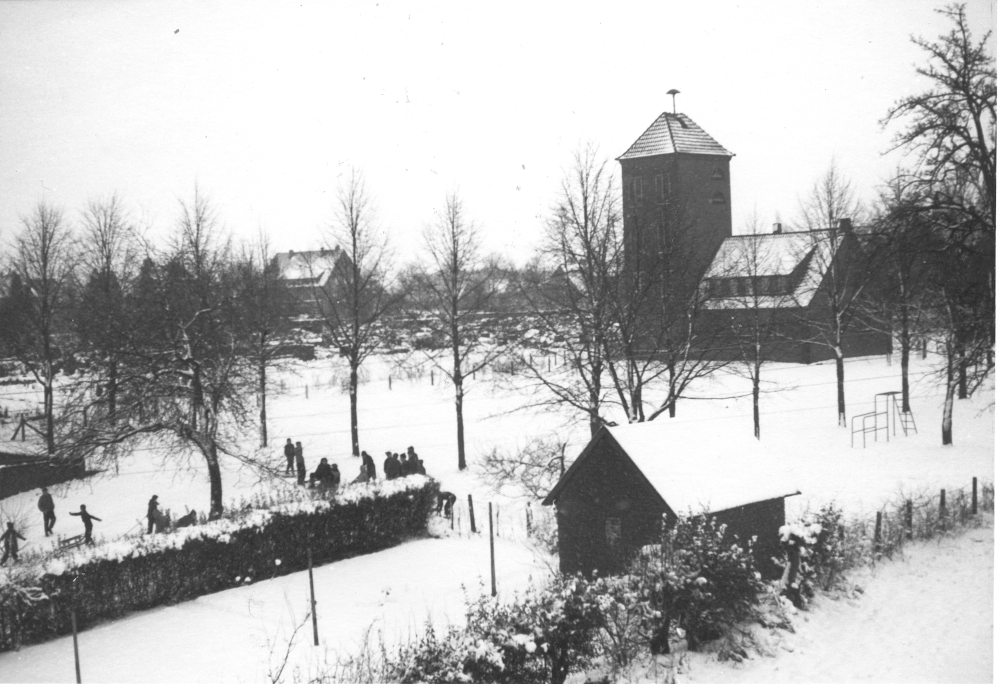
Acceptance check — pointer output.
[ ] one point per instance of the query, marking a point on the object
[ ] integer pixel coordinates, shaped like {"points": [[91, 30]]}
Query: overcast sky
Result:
{"points": [[266, 104]]}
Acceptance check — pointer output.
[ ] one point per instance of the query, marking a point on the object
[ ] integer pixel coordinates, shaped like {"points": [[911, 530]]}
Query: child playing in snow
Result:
{"points": [[88, 526], [10, 537]]}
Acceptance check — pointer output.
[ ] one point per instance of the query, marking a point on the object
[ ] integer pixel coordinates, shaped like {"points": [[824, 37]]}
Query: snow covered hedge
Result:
{"points": [[250, 544]]}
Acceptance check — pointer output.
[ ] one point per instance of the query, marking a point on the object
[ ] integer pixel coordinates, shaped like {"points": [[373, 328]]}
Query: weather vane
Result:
{"points": [[673, 93]]}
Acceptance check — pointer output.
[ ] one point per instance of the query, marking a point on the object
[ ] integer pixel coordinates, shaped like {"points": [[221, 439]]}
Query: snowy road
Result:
{"points": [[927, 617]]}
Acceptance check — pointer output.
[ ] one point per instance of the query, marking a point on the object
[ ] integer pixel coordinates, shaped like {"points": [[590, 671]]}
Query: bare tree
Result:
{"points": [[36, 312], [829, 214], [187, 382], [950, 130], [457, 289], [356, 298], [571, 288], [110, 254], [751, 303], [265, 325]]}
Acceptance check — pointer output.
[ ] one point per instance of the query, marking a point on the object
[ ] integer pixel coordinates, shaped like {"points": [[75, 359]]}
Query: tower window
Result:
{"points": [[718, 174], [718, 198]]}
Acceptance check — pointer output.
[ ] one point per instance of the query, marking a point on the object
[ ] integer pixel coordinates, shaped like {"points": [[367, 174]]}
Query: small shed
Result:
{"points": [[629, 479]]}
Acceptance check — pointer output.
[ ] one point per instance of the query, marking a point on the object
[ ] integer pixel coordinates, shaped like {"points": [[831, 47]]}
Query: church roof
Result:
{"points": [[674, 133], [762, 255]]}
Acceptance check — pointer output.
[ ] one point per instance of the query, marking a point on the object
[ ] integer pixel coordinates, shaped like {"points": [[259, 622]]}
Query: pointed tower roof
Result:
{"points": [[674, 133]]}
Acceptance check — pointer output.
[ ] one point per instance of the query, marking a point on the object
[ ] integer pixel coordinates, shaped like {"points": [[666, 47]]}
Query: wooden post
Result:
{"points": [[878, 530], [909, 519], [307, 391], [312, 592], [493, 565], [944, 509], [975, 496], [76, 646], [432, 377], [390, 382], [472, 515]]}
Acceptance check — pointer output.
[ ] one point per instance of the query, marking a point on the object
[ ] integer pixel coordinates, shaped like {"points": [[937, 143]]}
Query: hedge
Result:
{"points": [[251, 544]]}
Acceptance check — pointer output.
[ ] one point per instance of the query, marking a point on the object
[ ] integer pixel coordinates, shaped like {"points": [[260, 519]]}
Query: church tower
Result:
{"points": [[675, 200]]}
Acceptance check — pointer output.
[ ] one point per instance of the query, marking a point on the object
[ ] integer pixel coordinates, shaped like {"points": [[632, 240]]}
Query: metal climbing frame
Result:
{"points": [[884, 418]]}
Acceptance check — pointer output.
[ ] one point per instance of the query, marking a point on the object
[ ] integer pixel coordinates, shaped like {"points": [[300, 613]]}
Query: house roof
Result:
{"points": [[674, 134], [774, 254], [695, 466], [308, 269]]}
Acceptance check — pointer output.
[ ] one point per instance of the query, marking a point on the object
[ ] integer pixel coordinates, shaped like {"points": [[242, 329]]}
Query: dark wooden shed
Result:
{"points": [[629, 479]]}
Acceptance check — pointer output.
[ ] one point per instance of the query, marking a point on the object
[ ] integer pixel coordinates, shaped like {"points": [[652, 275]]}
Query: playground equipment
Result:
{"points": [[884, 418]]}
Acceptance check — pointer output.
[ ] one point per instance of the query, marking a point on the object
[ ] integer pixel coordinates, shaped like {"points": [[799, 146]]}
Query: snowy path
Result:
{"points": [[239, 635], [927, 617]]}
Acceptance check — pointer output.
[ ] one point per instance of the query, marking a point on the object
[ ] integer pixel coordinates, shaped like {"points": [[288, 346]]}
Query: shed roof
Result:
{"points": [[672, 134], [694, 466]]}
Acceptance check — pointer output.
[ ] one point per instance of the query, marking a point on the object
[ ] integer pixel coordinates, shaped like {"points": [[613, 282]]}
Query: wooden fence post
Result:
{"points": [[878, 531], [307, 391], [472, 515], [975, 496], [390, 382], [909, 519], [943, 509], [76, 647], [312, 592], [493, 565]]}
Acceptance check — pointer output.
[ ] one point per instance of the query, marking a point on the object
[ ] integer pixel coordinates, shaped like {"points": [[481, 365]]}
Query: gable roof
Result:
{"points": [[308, 269], [674, 134], [693, 466], [774, 254]]}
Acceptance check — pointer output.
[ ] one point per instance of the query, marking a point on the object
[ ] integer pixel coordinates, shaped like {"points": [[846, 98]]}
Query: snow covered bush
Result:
{"points": [[112, 579], [699, 584]]}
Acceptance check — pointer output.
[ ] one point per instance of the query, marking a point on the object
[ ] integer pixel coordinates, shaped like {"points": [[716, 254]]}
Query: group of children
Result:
{"points": [[328, 475], [46, 505]]}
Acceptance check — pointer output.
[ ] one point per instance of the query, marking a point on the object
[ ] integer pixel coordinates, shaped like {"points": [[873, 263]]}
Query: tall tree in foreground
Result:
{"points": [[355, 299], [110, 254], [950, 131], [456, 289], [830, 214], [36, 313]]}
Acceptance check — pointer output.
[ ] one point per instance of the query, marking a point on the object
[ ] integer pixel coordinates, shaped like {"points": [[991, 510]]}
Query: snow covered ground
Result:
{"points": [[226, 636], [926, 616]]}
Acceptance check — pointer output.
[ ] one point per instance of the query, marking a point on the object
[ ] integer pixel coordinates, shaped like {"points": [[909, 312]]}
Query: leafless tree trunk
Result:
{"points": [[37, 305], [355, 298], [456, 289]]}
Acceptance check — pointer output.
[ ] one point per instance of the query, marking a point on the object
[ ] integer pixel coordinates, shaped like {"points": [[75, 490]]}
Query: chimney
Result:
{"points": [[291, 253], [776, 229], [844, 225]]}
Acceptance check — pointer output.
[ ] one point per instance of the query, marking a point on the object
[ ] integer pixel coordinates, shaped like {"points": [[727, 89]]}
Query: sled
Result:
{"points": [[64, 544]]}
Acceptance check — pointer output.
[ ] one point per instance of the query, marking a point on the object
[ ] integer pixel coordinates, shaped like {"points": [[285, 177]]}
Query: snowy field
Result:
{"points": [[239, 635]]}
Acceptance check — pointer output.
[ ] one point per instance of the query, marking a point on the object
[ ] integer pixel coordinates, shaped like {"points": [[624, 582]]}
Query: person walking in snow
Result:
{"points": [[290, 457], [389, 466], [48, 509], [88, 526], [9, 538], [152, 514], [300, 464]]}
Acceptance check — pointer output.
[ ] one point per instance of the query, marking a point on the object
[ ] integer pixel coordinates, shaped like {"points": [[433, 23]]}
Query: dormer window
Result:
{"points": [[718, 198], [718, 174]]}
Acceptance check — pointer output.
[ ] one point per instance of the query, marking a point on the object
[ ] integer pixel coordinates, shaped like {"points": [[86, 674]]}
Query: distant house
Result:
{"points": [[784, 278], [310, 278], [631, 479]]}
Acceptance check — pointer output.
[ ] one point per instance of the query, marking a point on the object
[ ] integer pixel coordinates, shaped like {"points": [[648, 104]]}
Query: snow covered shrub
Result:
{"points": [[114, 578], [824, 553], [21, 604], [700, 584], [539, 638]]}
